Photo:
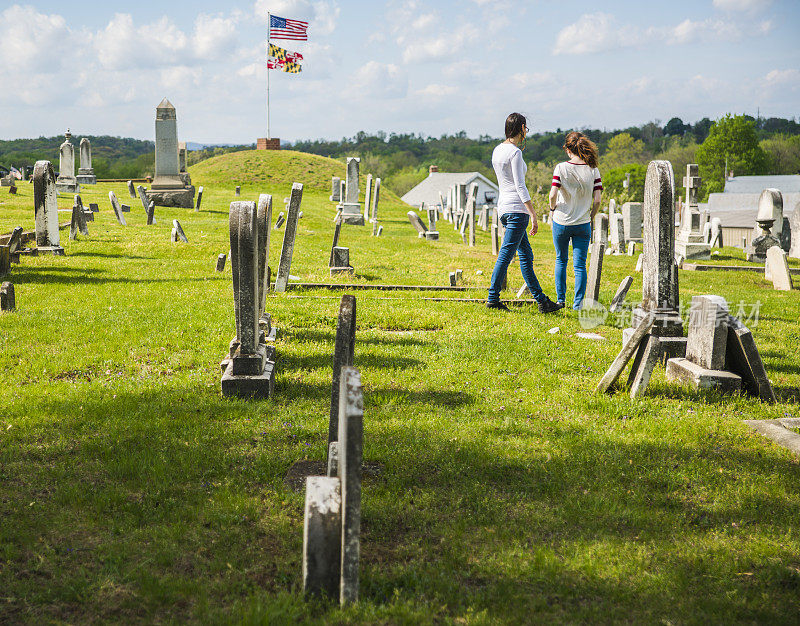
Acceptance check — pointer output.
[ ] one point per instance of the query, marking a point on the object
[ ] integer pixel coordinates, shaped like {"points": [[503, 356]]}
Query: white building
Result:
{"points": [[440, 182]]}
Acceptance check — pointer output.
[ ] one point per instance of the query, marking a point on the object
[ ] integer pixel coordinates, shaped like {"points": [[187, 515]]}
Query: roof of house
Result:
{"points": [[789, 183], [428, 190], [739, 210]]}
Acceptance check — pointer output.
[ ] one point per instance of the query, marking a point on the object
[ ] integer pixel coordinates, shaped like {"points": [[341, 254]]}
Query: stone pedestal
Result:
{"points": [[262, 143], [66, 181], [350, 206], [170, 188], [684, 371], [86, 171]]}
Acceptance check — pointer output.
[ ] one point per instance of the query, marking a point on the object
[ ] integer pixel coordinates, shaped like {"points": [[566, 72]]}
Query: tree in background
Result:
{"points": [[613, 179], [784, 154], [732, 139], [676, 128], [622, 150]]}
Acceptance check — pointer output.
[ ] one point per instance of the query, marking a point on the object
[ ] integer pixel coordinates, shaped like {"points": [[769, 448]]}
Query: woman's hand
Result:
{"points": [[534, 227]]}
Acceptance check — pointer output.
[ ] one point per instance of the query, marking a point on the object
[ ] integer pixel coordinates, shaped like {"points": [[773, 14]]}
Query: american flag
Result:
{"points": [[282, 28]]}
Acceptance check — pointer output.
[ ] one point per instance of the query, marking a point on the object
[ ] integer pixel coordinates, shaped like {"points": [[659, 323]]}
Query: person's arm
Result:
{"points": [[553, 197], [518, 173], [597, 193]]}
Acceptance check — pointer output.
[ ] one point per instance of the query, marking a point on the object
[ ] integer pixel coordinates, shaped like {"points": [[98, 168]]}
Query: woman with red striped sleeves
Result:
{"points": [[574, 201]]}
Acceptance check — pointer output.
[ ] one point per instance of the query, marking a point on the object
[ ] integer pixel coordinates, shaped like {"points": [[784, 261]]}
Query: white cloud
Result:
{"points": [[742, 5], [34, 41], [381, 80], [121, 45], [214, 35], [437, 90], [600, 32], [780, 77]]}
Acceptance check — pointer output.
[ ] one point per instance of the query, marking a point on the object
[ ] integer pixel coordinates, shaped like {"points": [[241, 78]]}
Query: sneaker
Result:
{"points": [[497, 305], [548, 306]]}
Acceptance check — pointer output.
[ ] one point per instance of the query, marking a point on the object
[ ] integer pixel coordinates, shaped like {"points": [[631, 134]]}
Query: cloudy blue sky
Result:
{"points": [[397, 65]]}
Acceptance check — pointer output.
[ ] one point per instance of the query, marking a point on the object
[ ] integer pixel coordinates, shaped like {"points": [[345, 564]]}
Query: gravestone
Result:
{"points": [[12, 189], [706, 348], [8, 301], [690, 243], [616, 233], [743, 358], [612, 208], [249, 369], [125, 208], [350, 206], [199, 198], [715, 238], [151, 213], [322, 538], [15, 241], [182, 156], [632, 221], [631, 248], [45, 204], [622, 291], [770, 208], [794, 249], [337, 230], [86, 171], [601, 229], [785, 238], [5, 260], [770, 202], [169, 188], [416, 223], [221, 262], [777, 269], [367, 197], [117, 208], [340, 261], [66, 182], [659, 274], [178, 230], [94, 207], [82, 226], [472, 199], [279, 222], [131, 190], [380, 231], [264, 219], [336, 191], [343, 356], [494, 235], [237, 191], [595, 272], [374, 216], [285, 263], [77, 223], [144, 200]]}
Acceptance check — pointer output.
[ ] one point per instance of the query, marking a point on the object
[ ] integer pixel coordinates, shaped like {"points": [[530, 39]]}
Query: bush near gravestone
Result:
{"points": [[613, 179]]}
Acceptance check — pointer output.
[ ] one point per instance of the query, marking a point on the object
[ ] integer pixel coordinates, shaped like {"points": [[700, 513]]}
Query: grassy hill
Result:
{"points": [[132, 492]]}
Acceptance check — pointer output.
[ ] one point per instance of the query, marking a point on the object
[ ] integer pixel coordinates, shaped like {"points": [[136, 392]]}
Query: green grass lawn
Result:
{"points": [[131, 491]]}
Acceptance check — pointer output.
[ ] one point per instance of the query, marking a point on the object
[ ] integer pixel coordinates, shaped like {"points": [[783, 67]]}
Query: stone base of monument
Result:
{"points": [[54, 250], [250, 376], [68, 186], [684, 371], [700, 251], [86, 176], [182, 198], [432, 235], [351, 214], [342, 270], [668, 327], [757, 250]]}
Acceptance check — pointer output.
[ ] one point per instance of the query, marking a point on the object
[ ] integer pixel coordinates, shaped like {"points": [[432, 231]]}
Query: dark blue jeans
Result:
{"points": [[580, 235], [515, 241]]}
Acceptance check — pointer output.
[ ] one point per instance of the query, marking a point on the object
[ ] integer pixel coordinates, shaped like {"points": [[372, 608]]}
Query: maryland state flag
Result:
{"points": [[284, 66], [282, 54]]}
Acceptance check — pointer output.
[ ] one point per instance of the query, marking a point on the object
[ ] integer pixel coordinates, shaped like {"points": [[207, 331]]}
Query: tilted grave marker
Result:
{"points": [[417, 223], [285, 263], [199, 198], [343, 355], [178, 230], [45, 202], [117, 208], [131, 190]]}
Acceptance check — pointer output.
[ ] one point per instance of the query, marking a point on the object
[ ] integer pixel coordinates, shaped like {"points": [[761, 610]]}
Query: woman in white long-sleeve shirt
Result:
{"points": [[515, 210]]}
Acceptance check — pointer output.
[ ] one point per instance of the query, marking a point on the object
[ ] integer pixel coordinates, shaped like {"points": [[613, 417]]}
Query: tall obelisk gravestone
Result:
{"points": [[86, 171], [66, 181], [350, 206], [659, 275], [168, 188]]}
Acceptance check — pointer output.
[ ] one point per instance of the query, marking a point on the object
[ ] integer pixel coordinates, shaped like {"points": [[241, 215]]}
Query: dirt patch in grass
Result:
{"points": [[295, 478]]}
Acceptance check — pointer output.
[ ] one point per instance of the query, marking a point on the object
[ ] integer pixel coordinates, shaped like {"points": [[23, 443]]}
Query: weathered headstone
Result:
{"points": [[743, 358], [417, 223], [794, 248], [15, 240], [786, 235], [75, 222], [367, 197], [374, 216], [151, 213], [472, 198], [249, 370], [176, 226], [322, 537], [616, 233], [145, 204], [238, 191], [8, 301], [640, 263], [715, 240], [221, 262], [770, 209], [94, 207], [350, 205], [45, 202], [494, 235], [279, 222], [595, 272], [340, 261], [690, 243], [343, 355], [264, 219], [632, 221], [631, 248], [170, 187], [336, 189], [131, 190], [380, 231], [182, 156], [125, 208], [82, 226], [337, 230], [117, 208], [284, 265], [66, 181], [199, 198], [601, 229], [622, 292], [86, 171], [777, 269], [5, 260]]}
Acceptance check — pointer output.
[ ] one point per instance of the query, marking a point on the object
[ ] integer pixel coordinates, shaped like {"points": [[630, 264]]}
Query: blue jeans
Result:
{"points": [[580, 234], [515, 241]]}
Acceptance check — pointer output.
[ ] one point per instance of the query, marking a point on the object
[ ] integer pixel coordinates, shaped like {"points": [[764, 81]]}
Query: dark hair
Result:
{"points": [[580, 145], [514, 124]]}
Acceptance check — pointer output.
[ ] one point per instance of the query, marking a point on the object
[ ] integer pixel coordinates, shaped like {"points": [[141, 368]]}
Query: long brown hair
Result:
{"points": [[580, 145]]}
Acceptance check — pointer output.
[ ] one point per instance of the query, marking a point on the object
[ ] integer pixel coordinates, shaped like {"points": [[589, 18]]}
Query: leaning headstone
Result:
{"points": [[8, 301], [341, 261], [336, 184], [622, 291], [82, 227], [131, 190], [279, 222], [249, 370], [374, 215], [632, 221], [343, 355], [117, 208], [794, 248], [221, 262], [284, 265], [770, 206], [86, 171], [640, 263], [176, 225], [416, 223], [146, 204], [151, 213], [601, 228], [380, 230], [199, 198], [743, 358], [15, 241], [45, 204], [690, 243], [322, 537], [337, 230], [778, 269], [66, 182], [74, 224], [659, 276], [595, 272]]}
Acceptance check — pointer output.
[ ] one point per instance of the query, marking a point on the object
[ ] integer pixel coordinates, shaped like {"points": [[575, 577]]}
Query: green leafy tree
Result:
{"points": [[613, 179], [622, 150], [784, 154], [734, 139]]}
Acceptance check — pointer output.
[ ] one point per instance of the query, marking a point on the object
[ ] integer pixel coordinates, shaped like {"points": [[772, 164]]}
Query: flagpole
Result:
{"points": [[269, 31]]}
